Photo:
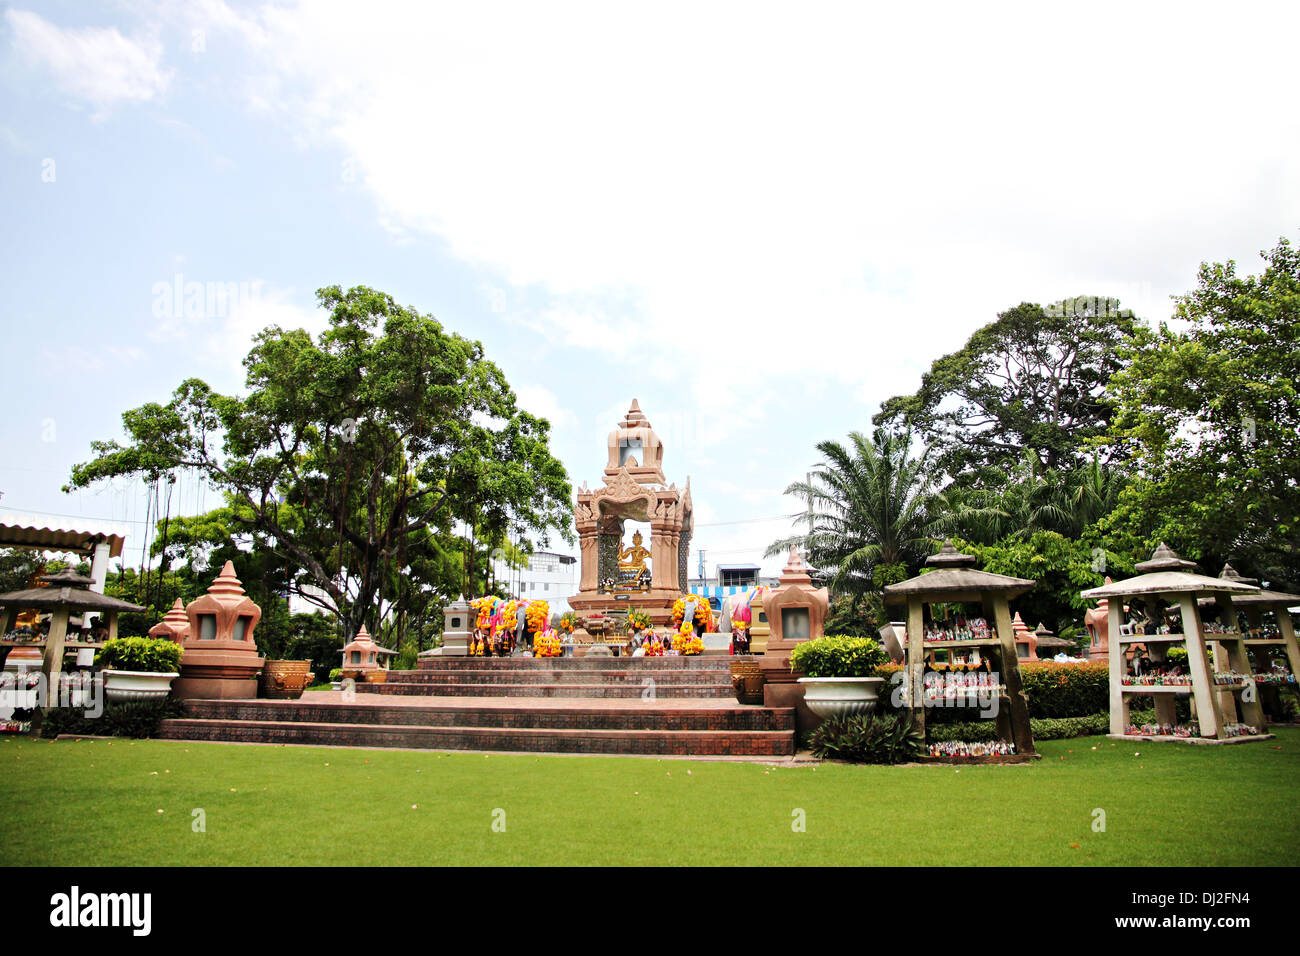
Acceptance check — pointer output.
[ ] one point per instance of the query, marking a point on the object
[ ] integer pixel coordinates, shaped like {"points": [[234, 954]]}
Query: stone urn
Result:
{"points": [[829, 697], [137, 685]]}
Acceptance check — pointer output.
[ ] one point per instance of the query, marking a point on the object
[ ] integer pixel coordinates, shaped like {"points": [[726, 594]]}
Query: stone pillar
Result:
{"points": [[99, 567], [589, 542]]}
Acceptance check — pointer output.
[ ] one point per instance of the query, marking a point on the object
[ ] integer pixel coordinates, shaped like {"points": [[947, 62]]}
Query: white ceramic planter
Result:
{"points": [[840, 696], [137, 685]]}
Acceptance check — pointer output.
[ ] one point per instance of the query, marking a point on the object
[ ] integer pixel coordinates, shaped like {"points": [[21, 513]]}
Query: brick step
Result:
{"points": [[736, 743], [576, 717], [455, 688], [492, 676], [695, 662]]}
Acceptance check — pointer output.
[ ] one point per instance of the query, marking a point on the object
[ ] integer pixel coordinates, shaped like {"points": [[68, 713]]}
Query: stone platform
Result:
{"points": [[583, 677], [555, 705]]}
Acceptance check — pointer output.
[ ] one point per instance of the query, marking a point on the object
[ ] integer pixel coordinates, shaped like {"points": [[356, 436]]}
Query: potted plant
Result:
{"points": [[336, 678], [840, 674], [138, 668]]}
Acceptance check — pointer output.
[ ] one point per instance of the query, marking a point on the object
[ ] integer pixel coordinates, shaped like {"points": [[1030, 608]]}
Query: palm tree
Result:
{"points": [[874, 508], [1031, 499]]}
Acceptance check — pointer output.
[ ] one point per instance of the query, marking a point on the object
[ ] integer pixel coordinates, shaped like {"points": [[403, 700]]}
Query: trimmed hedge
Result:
{"points": [[1054, 691], [131, 718]]}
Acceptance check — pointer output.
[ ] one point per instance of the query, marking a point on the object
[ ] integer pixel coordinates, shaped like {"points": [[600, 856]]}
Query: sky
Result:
{"points": [[761, 220]]}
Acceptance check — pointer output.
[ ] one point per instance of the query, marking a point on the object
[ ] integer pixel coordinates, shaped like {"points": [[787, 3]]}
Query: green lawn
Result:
{"points": [[98, 803]]}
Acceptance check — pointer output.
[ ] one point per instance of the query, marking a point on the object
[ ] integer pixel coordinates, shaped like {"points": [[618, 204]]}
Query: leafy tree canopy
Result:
{"points": [[350, 457], [1031, 382], [1211, 416]]}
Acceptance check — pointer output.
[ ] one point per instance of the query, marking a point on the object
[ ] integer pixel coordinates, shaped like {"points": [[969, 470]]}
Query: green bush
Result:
{"points": [[1066, 690], [131, 718], [336, 674], [839, 656], [1042, 728], [151, 654], [867, 738]]}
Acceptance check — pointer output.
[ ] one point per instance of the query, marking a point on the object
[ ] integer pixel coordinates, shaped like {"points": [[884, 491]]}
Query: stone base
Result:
{"points": [[790, 694], [658, 602], [215, 688]]}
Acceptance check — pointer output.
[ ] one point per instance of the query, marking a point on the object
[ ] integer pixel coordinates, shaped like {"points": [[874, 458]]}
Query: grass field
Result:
{"points": [[98, 803]]}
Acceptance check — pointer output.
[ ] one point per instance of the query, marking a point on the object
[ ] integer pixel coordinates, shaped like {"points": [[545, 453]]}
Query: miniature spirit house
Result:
{"points": [[1166, 580], [990, 637], [221, 659], [363, 654]]}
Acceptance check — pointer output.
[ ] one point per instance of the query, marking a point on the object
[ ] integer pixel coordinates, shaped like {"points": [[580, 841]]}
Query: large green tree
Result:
{"points": [[350, 457], [1210, 414], [1030, 382]]}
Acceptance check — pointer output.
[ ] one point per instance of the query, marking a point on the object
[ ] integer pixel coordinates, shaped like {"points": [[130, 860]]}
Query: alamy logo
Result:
{"points": [[76, 909]]}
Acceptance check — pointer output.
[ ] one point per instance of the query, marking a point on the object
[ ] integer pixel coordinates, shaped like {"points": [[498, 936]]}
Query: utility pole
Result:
{"points": [[701, 553]]}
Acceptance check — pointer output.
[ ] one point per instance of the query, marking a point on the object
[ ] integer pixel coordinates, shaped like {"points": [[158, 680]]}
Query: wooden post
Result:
{"points": [[1118, 703], [1207, 703], [915, 668], [52, 665], [1288, 636], [1024, 738], [1252, 710], [112, 625]]}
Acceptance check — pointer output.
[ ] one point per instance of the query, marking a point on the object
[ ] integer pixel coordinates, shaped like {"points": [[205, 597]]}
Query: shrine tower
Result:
{"points": [[635, 489]]}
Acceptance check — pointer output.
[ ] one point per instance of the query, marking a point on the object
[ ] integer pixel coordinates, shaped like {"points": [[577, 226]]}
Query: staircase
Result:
{"points": [[648, 678], [649, 706]]}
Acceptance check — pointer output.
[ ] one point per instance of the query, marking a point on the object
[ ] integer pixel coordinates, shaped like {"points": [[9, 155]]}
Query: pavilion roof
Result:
{"points": [[955, 576], [1263, 598], [74, 598], [1164, 576]]}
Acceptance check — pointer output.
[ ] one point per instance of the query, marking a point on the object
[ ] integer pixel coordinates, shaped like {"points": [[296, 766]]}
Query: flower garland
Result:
{"points": [[538, 616], [687, 645], [547, 644], [702, 620]]}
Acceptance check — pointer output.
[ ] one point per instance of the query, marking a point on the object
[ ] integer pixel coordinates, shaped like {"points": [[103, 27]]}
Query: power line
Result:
{"points": [[718, 524]]}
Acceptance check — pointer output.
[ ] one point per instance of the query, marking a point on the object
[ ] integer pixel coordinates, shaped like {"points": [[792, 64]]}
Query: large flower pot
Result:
{"points": [[137, 685], [840, 696]]}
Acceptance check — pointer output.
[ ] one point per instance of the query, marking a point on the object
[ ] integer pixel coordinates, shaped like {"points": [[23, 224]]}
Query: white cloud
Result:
{"points": [[96, 65], [802, 194], [541, 401]]}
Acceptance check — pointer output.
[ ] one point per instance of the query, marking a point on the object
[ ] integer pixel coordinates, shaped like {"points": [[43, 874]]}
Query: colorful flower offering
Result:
{"points": [[960, 748]]}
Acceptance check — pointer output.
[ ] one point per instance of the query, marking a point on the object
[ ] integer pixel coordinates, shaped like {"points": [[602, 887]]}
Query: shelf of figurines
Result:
{"points": [[1235, 733], [961, 752], [961, 632], [1166, 638], [1180, 683]]}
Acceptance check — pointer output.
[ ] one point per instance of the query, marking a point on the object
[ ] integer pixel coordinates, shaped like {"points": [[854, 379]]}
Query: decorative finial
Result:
{"points": [[1164, 559], [950, 557]]}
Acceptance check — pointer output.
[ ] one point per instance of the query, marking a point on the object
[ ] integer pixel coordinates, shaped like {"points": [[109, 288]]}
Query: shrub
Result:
{"points": [[1053, 690], [1042, 728], [1066, 690], [152, 654], [336, 674], [867, 738], [841, 656]]}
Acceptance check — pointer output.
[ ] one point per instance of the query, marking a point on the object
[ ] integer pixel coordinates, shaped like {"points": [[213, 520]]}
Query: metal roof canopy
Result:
{"points": [[78, 539]]}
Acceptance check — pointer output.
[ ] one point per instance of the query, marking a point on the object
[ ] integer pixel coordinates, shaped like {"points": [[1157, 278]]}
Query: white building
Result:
{"points": [[549, 577]]}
